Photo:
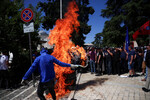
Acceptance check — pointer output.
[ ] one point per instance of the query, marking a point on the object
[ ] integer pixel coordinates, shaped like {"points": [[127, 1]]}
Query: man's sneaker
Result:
{"points": [[144, 89]]}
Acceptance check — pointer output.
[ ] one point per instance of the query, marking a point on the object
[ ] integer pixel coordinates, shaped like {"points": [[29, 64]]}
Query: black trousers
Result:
{"points": [[44, 87], [123, 65], [117, 69], [99, 67], [4, 77]]}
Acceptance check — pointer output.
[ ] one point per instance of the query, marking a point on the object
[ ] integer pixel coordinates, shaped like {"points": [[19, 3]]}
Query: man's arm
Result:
{"points": [[131, 59], [31, 69], [95, 57], [126, 54], [61, 63], [110, 52], [99, 57], [65, 64]]}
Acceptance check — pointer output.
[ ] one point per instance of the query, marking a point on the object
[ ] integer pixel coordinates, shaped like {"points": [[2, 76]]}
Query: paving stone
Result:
{"points": [[125, 98], [114, 98], [119, 98], [131, 98]]}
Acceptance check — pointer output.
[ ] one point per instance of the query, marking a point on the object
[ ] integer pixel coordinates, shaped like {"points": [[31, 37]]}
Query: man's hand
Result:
{"points": [[24, 82], [74, 66], [81, 66], [130, 62], [108, 50]]}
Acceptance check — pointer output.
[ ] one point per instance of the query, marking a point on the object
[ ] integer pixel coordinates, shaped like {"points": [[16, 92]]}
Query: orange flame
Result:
{"points": [[60, 36]]}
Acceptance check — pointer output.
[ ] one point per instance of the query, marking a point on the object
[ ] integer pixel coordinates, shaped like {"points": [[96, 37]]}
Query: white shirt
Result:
{"points": [[3, 62], [10, 57]]}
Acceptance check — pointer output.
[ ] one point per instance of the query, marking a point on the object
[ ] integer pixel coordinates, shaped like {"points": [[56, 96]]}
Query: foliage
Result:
{"points": [[52, 13], [98, 40], [12, 37], [122, 13]]}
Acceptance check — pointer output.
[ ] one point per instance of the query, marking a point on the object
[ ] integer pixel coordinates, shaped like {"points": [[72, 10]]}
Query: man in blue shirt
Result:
{"points": [[131, 54], [44, 63]]}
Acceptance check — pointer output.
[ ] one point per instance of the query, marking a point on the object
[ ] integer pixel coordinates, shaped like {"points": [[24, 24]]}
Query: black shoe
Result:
{"points": [[144, 89], [92, 73], [97, 75], [142, 74], [130, 76], [135, 75]]}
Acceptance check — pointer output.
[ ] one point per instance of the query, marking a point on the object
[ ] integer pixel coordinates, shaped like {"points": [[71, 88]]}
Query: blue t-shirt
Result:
{"points": [[131, 53], [46, 68]]}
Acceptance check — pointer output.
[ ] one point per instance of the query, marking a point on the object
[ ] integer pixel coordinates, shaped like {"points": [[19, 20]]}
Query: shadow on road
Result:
{"points": [[97, 81]]}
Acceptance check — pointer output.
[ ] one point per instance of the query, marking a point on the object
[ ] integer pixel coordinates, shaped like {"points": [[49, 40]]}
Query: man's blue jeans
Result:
{"points": [[146, 72], [92, 65]]}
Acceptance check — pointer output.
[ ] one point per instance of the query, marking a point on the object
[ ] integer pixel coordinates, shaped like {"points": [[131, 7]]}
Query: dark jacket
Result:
{"points": [[147, 60]]}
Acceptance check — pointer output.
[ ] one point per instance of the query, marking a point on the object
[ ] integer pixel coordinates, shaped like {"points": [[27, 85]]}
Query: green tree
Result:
{"points": [[122, 13], [12, 37], [52, 13], [98, 40]]}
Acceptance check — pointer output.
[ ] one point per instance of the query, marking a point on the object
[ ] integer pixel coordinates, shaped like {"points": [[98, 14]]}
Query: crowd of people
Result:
{"points": [[102, 61], [117, 60]]}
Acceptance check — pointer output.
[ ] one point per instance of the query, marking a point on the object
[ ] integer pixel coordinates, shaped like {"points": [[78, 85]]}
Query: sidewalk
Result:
{"points": [[91, 87], [109, 87]]}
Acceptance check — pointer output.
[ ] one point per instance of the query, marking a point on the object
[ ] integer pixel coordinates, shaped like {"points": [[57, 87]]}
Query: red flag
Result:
{"points": [[144, 30]]}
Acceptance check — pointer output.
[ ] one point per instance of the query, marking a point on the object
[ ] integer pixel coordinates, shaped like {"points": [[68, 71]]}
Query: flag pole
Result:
{"points": [[60, 9]]}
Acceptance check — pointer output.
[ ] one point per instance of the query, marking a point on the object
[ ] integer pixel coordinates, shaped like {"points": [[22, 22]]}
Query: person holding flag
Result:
{"points": [[127, 42]]}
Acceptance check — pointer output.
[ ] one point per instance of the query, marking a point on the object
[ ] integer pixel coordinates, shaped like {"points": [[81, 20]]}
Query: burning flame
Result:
{"points": [[61, 37]]}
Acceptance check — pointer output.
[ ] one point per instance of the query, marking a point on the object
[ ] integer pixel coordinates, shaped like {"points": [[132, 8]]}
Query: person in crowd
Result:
{"points": [[116, 61], [99, 61], [131, 54], [103, 64], [143, 63], [92, 54], [144, 79], [47, 74], [136, 57], [88, 58], [50, 51], [147, 60], [108, 55], [104, 60], [140, 59], [123, 57], [96, 52], [34, 55], [4, 63]]}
